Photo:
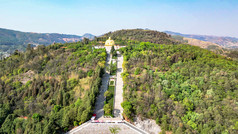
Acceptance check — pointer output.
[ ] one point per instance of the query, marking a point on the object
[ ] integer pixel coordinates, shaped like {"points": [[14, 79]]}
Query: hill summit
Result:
{"points": [[140, 35]]}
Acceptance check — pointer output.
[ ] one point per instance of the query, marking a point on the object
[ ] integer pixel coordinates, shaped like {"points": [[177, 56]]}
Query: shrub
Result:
{"points": [[137, 71], [36, 117]]}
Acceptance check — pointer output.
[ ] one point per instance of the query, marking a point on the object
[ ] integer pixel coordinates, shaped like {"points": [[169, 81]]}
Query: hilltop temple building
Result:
{"points": [[108, 45], [109, 42]]}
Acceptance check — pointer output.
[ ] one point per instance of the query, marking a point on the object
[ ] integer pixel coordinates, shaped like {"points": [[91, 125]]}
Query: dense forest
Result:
{"points": [[184, 88], [49, 89]]}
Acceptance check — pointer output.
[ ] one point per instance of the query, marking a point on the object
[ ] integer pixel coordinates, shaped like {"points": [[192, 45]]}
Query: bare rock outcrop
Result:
{"points": [[148, 125]]}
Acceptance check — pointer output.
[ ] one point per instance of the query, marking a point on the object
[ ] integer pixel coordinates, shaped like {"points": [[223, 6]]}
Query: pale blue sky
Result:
{"points": [[208, 17]]}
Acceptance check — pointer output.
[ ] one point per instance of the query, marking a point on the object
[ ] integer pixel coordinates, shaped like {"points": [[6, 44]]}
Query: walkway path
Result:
{"points": [[119, 88], [100, 98]]}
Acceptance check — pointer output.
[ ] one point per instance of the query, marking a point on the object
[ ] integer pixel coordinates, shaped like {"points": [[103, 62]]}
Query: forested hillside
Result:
{"points": [[11, 40], [184, 88], [225, 42], [203, 44], [139, 35], [50, 89]]}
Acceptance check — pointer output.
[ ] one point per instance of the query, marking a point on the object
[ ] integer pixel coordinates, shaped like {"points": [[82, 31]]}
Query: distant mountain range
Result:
{"points": [[226, 42], [11, 40], [88, 35]]}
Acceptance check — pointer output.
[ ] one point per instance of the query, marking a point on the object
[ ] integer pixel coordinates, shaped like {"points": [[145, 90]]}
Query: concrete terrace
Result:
{"points": [[104, 128]]}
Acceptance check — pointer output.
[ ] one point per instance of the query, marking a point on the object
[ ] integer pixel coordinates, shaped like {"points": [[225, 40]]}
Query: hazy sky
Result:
{"points": [[208, 17]]}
